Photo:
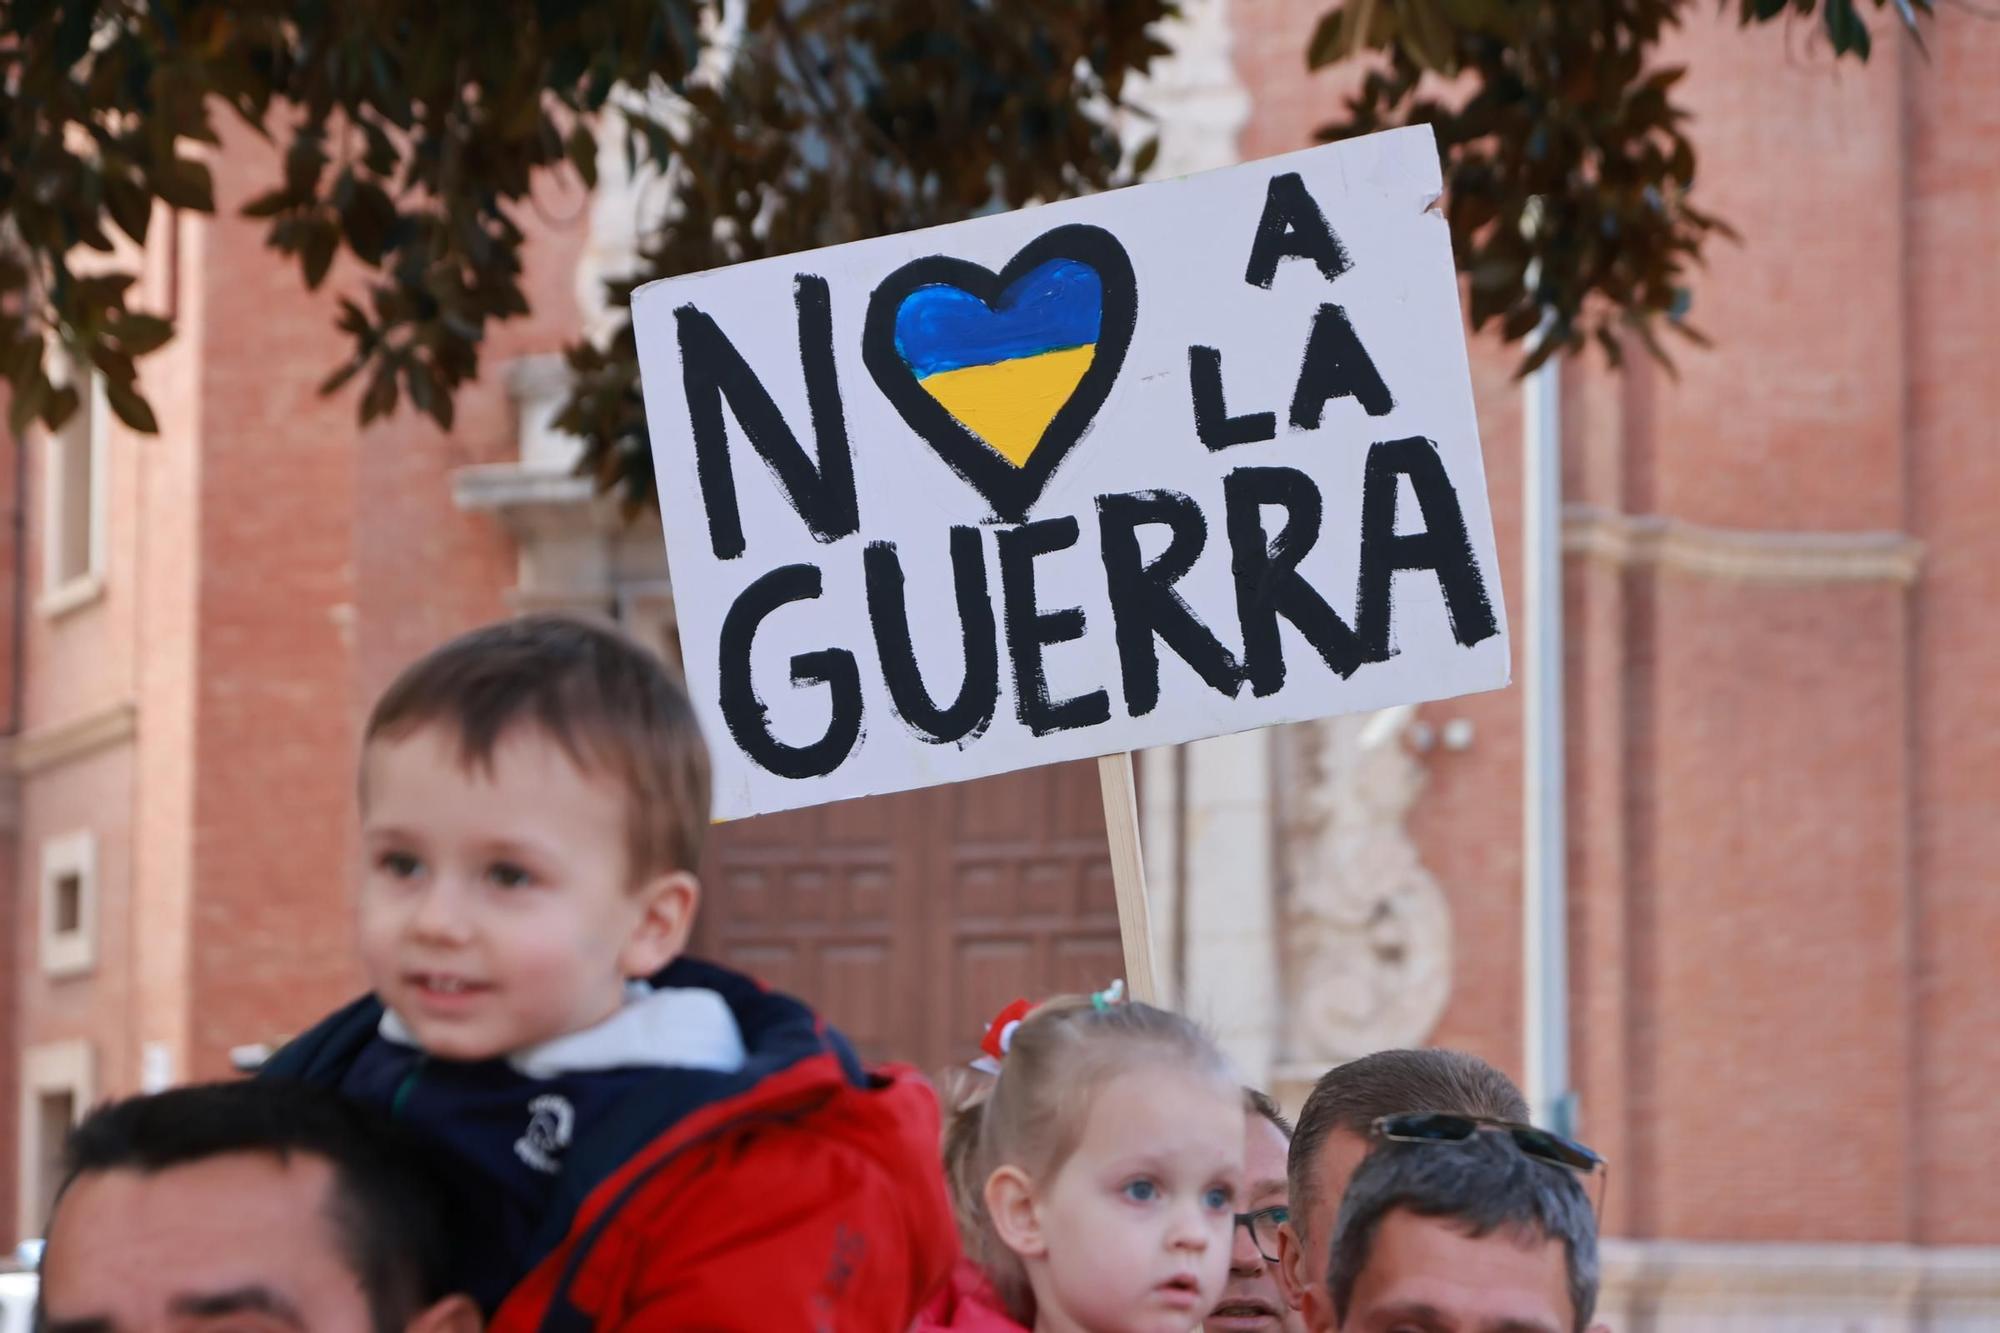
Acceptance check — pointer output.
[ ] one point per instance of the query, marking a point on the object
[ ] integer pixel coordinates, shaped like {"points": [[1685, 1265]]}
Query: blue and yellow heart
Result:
{"points": [[1005, 371]]}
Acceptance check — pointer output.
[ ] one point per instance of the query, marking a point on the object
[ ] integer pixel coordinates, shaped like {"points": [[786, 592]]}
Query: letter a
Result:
{"points": [[1293, 228]]}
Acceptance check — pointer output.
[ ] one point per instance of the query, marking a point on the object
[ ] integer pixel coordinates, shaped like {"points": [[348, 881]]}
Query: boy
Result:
{"points": [[641, 1140]]}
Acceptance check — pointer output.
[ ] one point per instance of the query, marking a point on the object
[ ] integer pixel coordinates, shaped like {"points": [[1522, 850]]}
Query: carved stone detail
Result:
{"points": [[1367, 946]]}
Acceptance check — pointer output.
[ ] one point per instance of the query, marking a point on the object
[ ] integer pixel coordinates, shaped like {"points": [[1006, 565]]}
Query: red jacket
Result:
{"points": [[805, 1194], [968, 1304]]}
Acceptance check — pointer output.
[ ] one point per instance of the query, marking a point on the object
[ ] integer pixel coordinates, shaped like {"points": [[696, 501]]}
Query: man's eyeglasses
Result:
{"points": [[1263, 1228], [1540, 1144]]}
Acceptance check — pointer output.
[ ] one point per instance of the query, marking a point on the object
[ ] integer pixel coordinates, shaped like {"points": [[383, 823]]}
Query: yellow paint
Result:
{"points": [[1010, 403]]}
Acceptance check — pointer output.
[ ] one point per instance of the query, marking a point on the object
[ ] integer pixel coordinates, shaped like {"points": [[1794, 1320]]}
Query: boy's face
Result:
{"points": [[497, 907]]}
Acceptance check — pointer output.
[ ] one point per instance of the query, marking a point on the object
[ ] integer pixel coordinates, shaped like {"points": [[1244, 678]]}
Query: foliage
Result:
{"points": [[853, 120], [1568, 172], [410, 137]]}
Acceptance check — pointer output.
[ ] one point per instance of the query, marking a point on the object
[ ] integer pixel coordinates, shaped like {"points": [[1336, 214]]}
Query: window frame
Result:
{"points": [[48, 1069], [60, 594], [69, 953]]}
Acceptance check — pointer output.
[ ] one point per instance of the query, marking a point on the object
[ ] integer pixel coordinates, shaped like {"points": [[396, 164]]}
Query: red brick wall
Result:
{"points": [[14, 946], [1952, 261], [14, 943], [331, 556], [277, 582], [1469, 819], [425, 570], [1782, 792]]}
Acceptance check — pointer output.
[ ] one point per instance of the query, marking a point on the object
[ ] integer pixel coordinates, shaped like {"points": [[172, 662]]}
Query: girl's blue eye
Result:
{"points": [[508, 875], [399, 865], [1218, 1199], [1141, 1191]]}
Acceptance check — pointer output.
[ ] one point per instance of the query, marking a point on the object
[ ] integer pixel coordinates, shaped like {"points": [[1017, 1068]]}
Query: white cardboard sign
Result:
{"points": [[1159, 464]]}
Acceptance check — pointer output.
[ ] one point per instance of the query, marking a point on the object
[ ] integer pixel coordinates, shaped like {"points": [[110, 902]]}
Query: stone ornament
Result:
{"points": [[1367, 947]]}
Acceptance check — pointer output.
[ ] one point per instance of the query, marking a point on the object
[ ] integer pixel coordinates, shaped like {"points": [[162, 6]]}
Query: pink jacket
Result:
{"points": [[967, 1304]]}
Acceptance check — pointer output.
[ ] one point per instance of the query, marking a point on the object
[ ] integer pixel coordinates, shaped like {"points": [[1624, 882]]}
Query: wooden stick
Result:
{"points": [[1128, 874]]}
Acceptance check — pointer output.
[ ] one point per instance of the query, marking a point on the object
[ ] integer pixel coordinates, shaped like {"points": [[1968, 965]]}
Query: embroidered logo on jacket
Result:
{"points": [[551, 1119]]}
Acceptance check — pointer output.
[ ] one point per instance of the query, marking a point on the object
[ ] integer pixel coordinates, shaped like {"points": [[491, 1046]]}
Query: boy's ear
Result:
{"points": [[453, 1314], [667, 904], [1010, 1203]]}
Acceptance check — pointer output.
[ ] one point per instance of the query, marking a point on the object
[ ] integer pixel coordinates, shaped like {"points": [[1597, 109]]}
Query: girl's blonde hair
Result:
{"points": [[1032, 1115]]}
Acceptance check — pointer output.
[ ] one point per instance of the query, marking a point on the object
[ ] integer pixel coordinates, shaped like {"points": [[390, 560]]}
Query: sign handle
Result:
{"points": [[1128, 873]]}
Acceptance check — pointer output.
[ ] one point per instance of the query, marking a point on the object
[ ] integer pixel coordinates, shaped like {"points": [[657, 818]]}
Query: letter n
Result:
{"points": [[822, 491]]}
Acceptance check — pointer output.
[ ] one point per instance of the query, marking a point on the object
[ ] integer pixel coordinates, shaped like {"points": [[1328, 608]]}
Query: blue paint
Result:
{"points": [[1059, 305]]}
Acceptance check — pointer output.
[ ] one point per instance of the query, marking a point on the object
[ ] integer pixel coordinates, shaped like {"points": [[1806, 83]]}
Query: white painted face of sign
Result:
{"points": [[1173, 461]]}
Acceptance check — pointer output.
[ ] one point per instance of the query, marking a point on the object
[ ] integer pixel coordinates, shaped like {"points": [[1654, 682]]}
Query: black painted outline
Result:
{"points": [[1012, 491]]}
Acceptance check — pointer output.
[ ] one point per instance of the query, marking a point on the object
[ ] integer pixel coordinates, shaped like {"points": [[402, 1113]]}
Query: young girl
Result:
{"points": [[1096, 1180]]}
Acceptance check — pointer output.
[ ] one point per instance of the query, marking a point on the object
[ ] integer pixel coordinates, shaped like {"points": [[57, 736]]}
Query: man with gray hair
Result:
{"points": [[1335, 1131], [1473, 1235]]}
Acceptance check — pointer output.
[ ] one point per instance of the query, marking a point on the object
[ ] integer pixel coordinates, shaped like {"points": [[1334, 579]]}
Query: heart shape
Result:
{"points": [[1002, 373]]}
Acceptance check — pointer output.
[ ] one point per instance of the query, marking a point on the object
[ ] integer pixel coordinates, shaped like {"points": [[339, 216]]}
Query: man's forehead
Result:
{"points": [[178, 1214], [1339, 1157], [1509, 1278], [1263, 1155]]}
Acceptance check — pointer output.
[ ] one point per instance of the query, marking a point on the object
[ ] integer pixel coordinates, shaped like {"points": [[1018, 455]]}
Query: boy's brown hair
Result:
{"points": [[610, 704]]}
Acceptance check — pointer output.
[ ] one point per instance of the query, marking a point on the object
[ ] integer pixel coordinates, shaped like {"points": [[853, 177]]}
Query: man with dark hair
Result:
{"points": [[1472, 1236], [249, 1205], [1333, 1136], [1253, 1302]]}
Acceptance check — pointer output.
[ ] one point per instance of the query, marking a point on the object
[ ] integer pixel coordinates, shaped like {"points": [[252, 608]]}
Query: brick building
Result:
{"points": [[1784, 761]]}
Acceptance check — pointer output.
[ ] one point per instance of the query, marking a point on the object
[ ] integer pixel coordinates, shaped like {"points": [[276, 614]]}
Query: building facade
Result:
{"points": [[1783, 756]]}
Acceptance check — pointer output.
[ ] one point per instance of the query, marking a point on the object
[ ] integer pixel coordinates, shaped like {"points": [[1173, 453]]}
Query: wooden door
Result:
{"points": [[909, 920]]}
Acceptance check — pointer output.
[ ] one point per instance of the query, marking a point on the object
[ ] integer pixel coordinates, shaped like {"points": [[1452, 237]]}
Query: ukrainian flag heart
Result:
{"points": [[1002, 373]]}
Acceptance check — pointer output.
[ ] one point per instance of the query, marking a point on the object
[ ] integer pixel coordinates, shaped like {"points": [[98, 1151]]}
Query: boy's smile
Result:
{"points": [[497, 908]]}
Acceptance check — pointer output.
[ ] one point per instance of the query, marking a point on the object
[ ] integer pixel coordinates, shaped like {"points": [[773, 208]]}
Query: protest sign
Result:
{"points": [[1173, 461]]}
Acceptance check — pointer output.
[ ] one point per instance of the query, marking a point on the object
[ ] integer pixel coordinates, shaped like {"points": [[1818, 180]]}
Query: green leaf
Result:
{"points": [[1544, 348], [132, 409], [316, 251], [1427, 35], [1329, 39], [369, 218], [337, 381], [304, 162], [270, 203], [380, 400], [140, 334], [1148, 154], [59, 406], [581, 147], [130, 206], [115, 364], [185, 183], [30, 392]]}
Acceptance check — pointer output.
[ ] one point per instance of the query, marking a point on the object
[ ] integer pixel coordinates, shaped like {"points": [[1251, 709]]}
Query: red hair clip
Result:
{"points": [[999, 1036]]}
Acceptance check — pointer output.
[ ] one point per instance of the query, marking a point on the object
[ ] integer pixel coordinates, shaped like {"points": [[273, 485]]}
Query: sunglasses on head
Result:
{"points": [[1540, 1144]]}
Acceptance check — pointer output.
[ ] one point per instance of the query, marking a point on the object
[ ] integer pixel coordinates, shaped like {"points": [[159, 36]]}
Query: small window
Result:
{"points": [[69, 904], [57, 1082], [55, 1113], [73, 542]]}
